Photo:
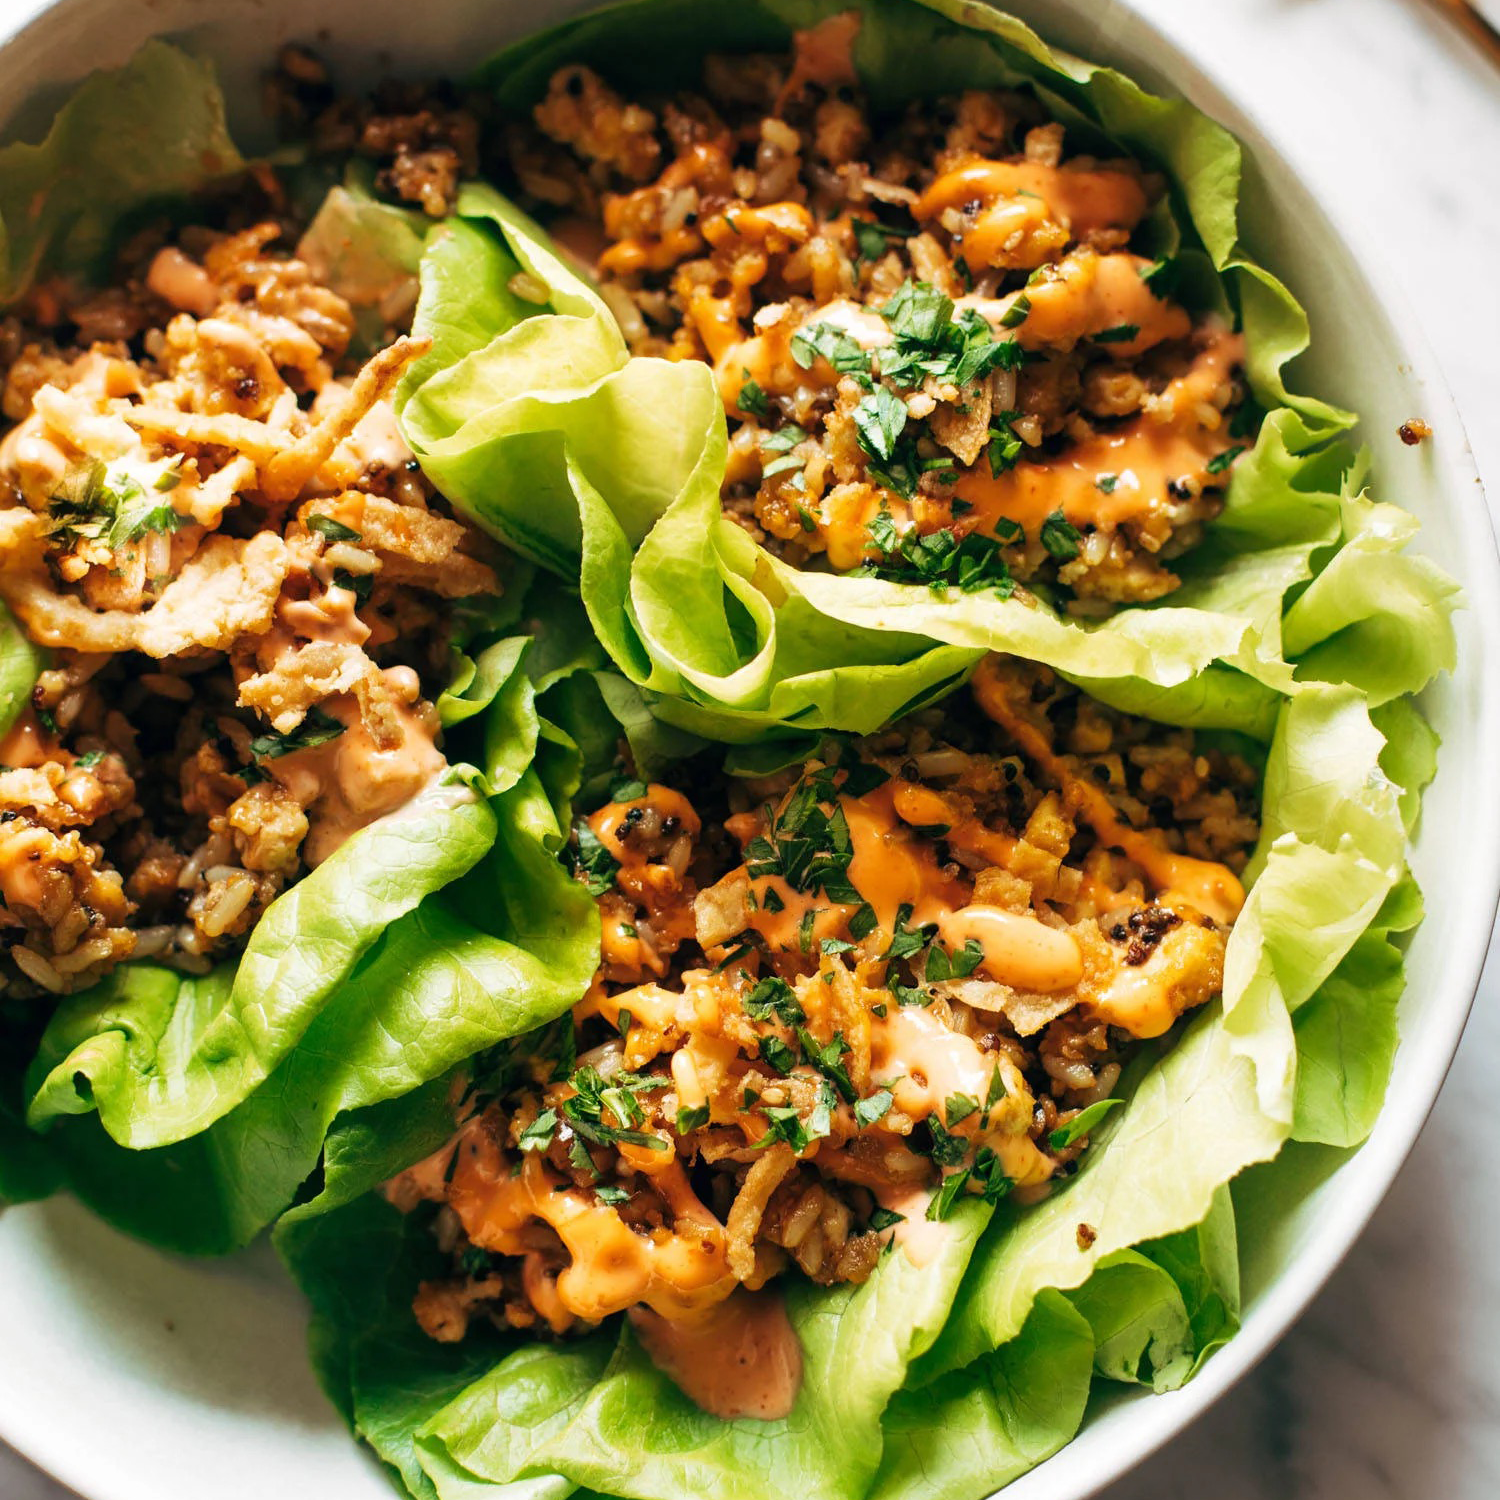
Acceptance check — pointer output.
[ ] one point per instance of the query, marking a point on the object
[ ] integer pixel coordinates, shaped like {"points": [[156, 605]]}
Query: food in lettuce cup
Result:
{"points": [[1273, 648]]}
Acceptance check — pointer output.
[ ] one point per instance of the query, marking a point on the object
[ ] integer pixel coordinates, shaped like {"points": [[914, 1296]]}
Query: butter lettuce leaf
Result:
{"points": [[142, 135], [425, 939], [161, 1057]]}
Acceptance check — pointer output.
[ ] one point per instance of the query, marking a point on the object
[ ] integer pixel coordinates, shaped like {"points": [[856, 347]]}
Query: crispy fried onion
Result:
{"points": [[285, 476], [228, 590], [320, 670], [749, 1207], [415, 546]]}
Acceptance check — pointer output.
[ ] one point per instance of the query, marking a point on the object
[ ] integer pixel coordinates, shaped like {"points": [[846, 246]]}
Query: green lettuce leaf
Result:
{"points": [[978, 1429], [431, 936], [162, 1057], [146, 134], [369, 253], [20, 664]]}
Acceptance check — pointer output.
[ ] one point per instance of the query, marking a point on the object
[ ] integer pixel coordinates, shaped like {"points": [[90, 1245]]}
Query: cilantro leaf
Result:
{"points": [[592, 860], [331, 530], [879, 420], [1060, 537], [945, 1200], [538, 1135], [316, 728], [824, 341], [1081, 1123], [875, 1107], [1220, 462], [752, 400]]}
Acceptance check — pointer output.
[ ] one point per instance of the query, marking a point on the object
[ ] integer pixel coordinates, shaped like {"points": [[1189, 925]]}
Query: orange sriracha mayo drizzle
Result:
{"points": [[739, 1358], [924, 1063], [1119, 475], [621, 946], [1082, 200], [925, 807], [676, 1272], [27, 744], [1202, 884]]}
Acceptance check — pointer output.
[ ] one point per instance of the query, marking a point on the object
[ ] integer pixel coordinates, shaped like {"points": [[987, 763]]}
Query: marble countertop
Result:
{"points": [[1389, 1388]]}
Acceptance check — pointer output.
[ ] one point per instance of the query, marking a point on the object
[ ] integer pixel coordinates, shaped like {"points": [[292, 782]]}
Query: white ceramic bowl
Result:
{"points": [[135, 1376]]}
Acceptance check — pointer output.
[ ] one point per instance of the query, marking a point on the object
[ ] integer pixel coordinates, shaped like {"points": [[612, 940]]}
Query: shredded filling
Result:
{"points": [[209, 520], [943, 357], [834, 1002]]}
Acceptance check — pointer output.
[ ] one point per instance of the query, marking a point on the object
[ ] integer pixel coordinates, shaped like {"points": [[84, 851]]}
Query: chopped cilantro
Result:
{"points": [[1121, 333], [885, 1218], [988, 1173], [595, 1096], [876, 1107], [863, 922], [939, 559], [331, 530], [959, 1107], [776, 1052], [829, 1060], [942, 965], [538, 1135], [1060, 536], [946, 1198], [593, 861], [907, 942], [358, 584], [578, 1154], [947, 1150], [691, 1119], [784, 1124], [831, 946], [997, 1090], [918, 312], [1106, 483], [781, 465], [784, 439], [824, 341], [1004, 446], [873, 239], [1220, 462], [808, 845], [879, 420], [613, 1196], [316, 728], [1081, 1124], [752, 399], [88, 760], [771, 900], [1017, 312]]}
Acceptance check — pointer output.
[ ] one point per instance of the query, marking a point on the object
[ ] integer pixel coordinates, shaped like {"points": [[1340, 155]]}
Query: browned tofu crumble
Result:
{"points": [[209, 520], [941, 358], [834, 1001]]}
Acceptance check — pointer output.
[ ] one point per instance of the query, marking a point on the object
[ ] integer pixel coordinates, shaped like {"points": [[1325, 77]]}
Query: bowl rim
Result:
{"points": [[1283, 1301]]}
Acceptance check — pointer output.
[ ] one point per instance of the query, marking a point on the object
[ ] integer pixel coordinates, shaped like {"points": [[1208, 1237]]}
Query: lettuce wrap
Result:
{"points": [[537, 424]]}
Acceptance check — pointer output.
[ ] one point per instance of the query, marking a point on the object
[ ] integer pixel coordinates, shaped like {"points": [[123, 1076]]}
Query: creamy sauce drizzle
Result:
{"points": [[921, 1239], [924, 1063], [677, 1272], [349, 782], [1210, 888], [741, 1358]]}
